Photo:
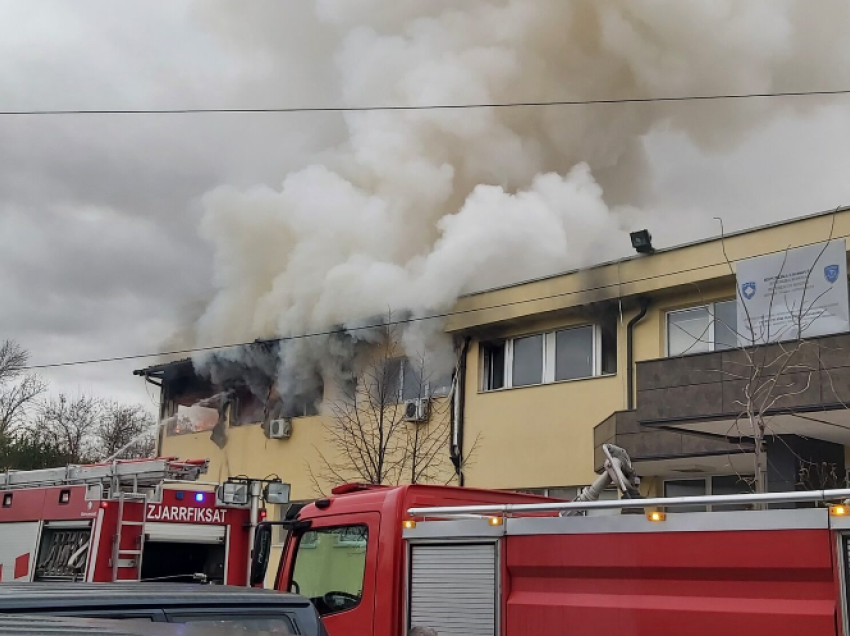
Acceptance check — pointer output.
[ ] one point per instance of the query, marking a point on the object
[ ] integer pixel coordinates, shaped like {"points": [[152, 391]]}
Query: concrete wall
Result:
{"points": [[539, 436], [249, 452], [296, 460]]}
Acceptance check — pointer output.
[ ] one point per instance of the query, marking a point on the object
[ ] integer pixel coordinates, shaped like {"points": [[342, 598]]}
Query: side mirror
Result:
{"points": [[260, 554]]}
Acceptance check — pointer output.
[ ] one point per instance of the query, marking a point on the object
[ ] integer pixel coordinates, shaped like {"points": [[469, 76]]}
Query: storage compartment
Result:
{"points": [[63, 552], [453, 588], [183, 562]]}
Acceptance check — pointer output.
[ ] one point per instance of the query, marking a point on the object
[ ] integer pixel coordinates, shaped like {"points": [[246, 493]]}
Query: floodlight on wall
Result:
{"points": [[642, 242]]}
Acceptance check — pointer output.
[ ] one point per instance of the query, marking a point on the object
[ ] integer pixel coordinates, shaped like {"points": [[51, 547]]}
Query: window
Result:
{"points": [[330, 577], [276, 623], [527, 364], [354, 536], [309, 541], [493, 355], [412, 382], [574, 353], [301, 407], [711, 327], [440, 384], [403, 379], [568, 354], [280, 532], [715, 485]]}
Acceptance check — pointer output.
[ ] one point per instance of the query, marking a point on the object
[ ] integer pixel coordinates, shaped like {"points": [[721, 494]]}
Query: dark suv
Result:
{"points": [[248, 608]]}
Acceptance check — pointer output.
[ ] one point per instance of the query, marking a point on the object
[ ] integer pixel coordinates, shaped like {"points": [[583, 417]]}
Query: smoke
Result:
{"points": [[411, 209]]}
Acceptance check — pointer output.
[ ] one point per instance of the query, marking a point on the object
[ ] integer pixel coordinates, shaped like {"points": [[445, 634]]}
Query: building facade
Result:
{"points": [[641, 352]]}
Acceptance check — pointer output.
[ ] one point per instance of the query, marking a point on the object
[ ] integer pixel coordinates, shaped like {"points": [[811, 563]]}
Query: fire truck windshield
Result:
{"points": [[330, 564]]}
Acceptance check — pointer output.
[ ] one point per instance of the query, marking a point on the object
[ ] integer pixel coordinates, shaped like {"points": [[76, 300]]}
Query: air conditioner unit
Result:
{"points": [[416, 410], [280, 429]]}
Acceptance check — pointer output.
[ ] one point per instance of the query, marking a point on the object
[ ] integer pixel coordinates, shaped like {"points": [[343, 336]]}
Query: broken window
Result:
{"points": [[412, 381], [385, 381], [192, 419], [250, 408], [305, 404], [188, 407], [439, 385], [493, 354]]}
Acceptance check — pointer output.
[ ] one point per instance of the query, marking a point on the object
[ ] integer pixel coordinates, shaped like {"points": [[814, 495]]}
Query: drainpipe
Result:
{"points": [[458, 403], [161, 386], [630, 351]]}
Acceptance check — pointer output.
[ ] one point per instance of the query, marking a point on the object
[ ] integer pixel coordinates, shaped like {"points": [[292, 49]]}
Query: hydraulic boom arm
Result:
{"points": [[617, 470]]}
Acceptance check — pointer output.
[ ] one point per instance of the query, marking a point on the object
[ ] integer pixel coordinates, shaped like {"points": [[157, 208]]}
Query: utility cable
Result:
{"points": [[387, 108], [448, 314]]}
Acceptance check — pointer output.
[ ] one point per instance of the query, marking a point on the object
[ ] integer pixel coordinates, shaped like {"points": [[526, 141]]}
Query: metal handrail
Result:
{"points": [[619, 504]]}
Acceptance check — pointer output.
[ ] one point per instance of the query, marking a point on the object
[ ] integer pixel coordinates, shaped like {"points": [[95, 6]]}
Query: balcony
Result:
{"points": [[661, 451], [690, 414], [802, 388]]}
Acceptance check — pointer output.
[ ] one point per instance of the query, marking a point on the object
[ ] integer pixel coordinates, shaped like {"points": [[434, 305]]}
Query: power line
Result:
{"points": [[362, 109], [391, 323]]}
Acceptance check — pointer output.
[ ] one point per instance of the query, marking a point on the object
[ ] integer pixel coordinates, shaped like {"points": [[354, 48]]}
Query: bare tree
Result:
{"points": [[124, 431], [370, 438], [775, 365], [70, 425], [365, 432], [426, 451], [18, 389]]}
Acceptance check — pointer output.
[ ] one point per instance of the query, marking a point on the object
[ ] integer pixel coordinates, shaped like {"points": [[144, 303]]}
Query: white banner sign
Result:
{"points": [[801, 292]]}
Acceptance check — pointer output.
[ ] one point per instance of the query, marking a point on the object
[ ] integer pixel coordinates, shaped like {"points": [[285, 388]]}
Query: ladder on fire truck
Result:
{"points": [[123, 480], [119, 555], [115, 477]]}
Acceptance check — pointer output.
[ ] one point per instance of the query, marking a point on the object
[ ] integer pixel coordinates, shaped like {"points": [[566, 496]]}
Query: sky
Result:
{"points": [[101, 248]]}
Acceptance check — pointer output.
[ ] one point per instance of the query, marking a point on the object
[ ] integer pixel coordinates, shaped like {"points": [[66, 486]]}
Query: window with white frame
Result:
{"points": [[567, 354], [711, 327], [714, 485]]}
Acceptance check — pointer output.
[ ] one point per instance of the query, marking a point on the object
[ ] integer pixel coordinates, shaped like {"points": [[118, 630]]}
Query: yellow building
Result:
{"points": [[640, 352]]}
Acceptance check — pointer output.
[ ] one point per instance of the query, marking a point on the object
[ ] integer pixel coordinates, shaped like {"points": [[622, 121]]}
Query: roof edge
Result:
{"points": [[663, 250]]}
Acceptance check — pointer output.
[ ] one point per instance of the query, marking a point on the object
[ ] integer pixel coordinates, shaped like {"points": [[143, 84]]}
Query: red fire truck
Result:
{"points": [[120, 521], [380, 560]]}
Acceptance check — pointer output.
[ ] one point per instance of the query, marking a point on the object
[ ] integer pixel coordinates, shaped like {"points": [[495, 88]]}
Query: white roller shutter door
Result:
{"points": [[453, 589], [17, 549], [184, 533]]}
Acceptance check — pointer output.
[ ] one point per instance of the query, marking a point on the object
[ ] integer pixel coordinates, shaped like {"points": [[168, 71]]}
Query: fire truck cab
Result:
{"points": [[347, 554], [131, 520], [380, 560]]}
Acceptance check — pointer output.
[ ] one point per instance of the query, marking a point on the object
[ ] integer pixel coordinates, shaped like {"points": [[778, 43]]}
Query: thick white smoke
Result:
{"points": [[411, 209]]}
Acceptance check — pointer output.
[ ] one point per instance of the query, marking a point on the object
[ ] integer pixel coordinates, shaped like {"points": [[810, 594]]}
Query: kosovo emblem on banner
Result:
{"points": [[831, 272], [748, 290]]}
